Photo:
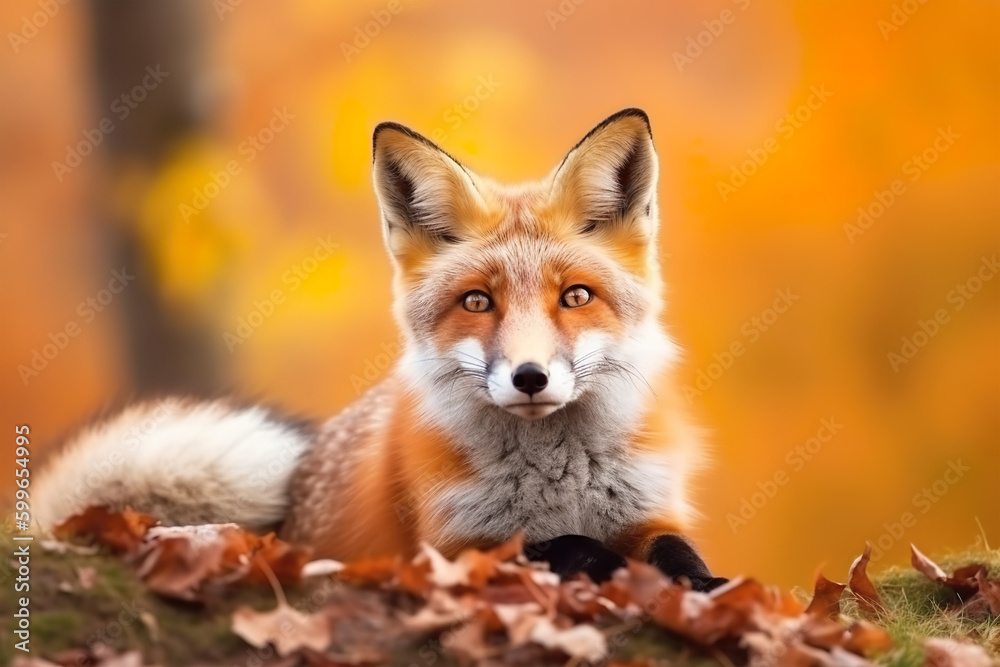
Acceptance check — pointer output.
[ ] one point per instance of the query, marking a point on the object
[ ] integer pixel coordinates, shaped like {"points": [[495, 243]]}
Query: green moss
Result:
{"points": [[918, 608]]}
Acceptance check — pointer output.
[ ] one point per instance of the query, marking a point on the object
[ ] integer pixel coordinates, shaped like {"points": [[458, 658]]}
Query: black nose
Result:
{"points": [[530, 378]]}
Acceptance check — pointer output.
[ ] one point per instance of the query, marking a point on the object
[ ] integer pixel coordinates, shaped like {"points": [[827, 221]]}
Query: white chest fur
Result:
{"points": [[565, 474]]}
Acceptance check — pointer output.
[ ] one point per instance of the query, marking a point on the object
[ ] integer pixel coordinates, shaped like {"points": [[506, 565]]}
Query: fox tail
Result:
{"points": [[181, 461]]}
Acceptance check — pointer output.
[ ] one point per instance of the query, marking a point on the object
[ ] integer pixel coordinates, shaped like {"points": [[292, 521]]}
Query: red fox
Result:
{"points": [[523, 400]]}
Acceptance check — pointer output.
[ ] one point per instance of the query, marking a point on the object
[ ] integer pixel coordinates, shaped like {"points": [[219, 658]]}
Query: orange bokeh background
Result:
{"points": [[898, 109]]}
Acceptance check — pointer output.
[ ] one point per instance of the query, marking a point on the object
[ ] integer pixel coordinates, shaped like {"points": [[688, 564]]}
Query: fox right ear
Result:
{"points": [[609, 178], [424, 194]]}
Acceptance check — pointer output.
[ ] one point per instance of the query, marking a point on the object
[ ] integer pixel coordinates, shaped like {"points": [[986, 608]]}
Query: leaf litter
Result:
{"points": [[494, 607]]}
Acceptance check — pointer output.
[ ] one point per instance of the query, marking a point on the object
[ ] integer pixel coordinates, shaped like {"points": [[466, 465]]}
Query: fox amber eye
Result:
{"points": [[477, 302], [576, 296]]}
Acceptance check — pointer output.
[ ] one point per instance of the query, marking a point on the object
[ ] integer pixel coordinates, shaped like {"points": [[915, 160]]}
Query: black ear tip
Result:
{"points": [[631, 112], [389, 125], [384, 126]]}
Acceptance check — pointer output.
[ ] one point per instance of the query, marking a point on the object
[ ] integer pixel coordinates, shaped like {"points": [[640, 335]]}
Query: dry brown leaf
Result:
{"points": [[323, 567], [823, 632], [29, 661], [174, 567], [864, 591], [285, 628], [130, 659], [468, 642], [826, 598], [584, 642], [87, 577], [941, 652], [121, 532], [442, 610], [864, 638], [509, 550], [179, 561], [925, 565], [580, 599], [518, 620], [98, 655], [966, 581], [371, 571], [989, 593], [284, 560]]}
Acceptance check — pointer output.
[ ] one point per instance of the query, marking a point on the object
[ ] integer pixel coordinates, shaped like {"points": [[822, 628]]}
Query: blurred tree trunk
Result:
{"points": [[165, 353]]}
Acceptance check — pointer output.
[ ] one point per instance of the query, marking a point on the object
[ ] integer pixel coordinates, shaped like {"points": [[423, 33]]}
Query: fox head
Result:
{"points": [[525, 298]]}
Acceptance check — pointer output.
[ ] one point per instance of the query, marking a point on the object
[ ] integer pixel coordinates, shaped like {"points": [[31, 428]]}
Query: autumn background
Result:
{"points": [[838, 161]]}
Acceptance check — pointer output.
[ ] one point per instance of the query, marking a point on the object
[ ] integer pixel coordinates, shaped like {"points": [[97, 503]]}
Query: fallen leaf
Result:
{"points": [[23, 661], [60, 547], [371, 571], [989, 594], [283, 627], [441, 611], [121, 532], [864, 638], [864, 591], [826, 598], [321, 568], [941, 652], [284, 560], [177, 567], [87, 576], [577, 641], [180, 561], [965, 581], [925, 565]]}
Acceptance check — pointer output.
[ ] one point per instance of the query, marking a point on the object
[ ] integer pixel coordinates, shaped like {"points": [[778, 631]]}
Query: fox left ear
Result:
{"points": [[609, 179]]}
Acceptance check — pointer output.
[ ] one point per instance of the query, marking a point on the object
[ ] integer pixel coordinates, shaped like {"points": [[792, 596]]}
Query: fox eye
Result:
{"points": [[477, 302], [576, 296]]}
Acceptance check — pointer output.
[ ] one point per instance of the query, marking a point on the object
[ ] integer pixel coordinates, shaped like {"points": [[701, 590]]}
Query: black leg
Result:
{"points": [[570, 554], [676, 557]]}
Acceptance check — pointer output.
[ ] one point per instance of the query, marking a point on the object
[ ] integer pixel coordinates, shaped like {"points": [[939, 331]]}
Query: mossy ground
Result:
{"points": [[918, 608], [117, 610]]}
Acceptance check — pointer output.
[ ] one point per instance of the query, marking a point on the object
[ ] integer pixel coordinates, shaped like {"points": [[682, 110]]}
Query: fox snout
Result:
{"points": [[531, 385]]}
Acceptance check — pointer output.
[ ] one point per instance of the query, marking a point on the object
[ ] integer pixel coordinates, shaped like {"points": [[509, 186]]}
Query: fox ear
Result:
{"points": [[424, 194], [608, 180]]}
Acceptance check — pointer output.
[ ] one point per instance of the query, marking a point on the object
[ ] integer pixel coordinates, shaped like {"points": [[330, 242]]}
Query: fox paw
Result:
{"points": [[706, 584], [677, 558], [572, 554]]}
